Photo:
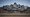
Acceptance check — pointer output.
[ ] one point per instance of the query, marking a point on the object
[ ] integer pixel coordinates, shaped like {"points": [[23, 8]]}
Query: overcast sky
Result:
{"points": [[21, 2]]}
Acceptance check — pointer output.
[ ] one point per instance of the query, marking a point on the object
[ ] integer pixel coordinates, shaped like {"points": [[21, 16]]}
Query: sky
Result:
{"points": [[21, 2]]}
